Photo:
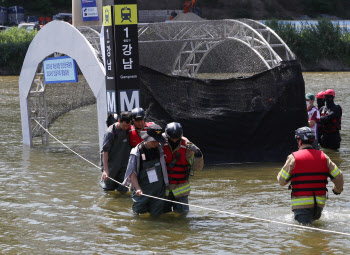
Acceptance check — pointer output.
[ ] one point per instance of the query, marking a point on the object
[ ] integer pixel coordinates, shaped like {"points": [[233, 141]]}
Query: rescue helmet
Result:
{"points": [[112, 118], [173, 130], [329, 92], [138, 114], [321, 94], [305, 134]]}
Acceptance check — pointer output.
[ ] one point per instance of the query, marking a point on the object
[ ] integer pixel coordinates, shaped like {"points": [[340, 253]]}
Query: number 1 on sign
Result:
{"points": [[126, 32]]}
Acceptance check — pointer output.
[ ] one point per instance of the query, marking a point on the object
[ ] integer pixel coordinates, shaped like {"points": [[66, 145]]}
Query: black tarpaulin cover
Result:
{"points": [[250, 119]]}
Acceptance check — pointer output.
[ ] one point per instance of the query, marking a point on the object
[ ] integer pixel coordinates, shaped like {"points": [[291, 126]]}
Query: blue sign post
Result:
{"points": [[60, 70], [89, 10]]}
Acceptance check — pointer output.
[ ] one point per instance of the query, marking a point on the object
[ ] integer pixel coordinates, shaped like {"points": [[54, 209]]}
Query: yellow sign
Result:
{"points": [[107, 16], [125, 14]]}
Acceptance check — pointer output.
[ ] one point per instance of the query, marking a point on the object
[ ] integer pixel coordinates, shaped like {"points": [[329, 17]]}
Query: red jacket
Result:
{"points": [[135, 137], [310, 173], [177, 173]]}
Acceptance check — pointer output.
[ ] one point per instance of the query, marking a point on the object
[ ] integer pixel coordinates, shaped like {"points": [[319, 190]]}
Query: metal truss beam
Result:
{"points": [[200, 38]]}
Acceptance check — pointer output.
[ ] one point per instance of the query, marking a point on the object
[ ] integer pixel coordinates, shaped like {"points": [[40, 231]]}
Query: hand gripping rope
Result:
{"points": [[202, 207]]}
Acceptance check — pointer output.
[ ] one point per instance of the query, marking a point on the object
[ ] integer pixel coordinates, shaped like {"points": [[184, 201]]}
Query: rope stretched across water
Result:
{"points": [[202, 207]]}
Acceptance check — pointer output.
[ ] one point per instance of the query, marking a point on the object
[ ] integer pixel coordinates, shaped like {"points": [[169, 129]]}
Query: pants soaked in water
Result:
{"points": [[331, 140], [178, 208], [110, 185], [307, 215], [144, 204]]}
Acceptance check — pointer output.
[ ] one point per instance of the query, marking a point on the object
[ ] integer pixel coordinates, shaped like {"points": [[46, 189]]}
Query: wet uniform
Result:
{"points": [[150, 169], [308, 169], [116, 143], [179, 163], [331, 125]]}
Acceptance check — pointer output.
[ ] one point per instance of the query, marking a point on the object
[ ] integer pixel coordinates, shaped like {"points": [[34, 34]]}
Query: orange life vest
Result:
{"points": [[187, 6], [135, 137], [177, 169], [310, 173]]}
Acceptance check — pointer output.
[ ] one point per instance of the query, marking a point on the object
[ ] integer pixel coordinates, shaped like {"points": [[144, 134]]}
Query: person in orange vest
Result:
{"points": [[308, 169], [139, 124], [181, 156], [193, 3], [187, 6]]}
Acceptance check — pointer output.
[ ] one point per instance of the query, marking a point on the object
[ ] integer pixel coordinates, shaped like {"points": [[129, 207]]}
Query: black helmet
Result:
{"points": [[112, 118], [138, 114], [173, 130], [305, 134]]}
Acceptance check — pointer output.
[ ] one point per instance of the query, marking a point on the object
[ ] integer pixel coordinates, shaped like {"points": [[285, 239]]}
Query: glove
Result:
{"points": [[335, 193], [198, 154]]}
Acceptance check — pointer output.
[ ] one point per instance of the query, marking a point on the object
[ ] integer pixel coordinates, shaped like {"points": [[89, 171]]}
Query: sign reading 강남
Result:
{"points": [[60, 70], [127, 55]]}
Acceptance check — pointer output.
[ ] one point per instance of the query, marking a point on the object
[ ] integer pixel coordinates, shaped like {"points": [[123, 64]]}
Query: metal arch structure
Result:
{"points": [[93, 36], [199, 38], [272, 38], [57, 37]]}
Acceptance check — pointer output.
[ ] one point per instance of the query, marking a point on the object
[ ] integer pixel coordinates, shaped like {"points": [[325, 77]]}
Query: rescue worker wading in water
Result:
{"points": [[308, 170], [147, 172], [139, 124], [180, 156], [115, 153], [331, 115]]}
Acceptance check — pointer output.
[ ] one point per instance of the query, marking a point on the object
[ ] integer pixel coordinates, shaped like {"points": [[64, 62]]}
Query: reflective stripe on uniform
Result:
{"points": [[308, 201], [335, 172], [191, 160], [321, 200], [284, 174], [303, 201], [167, 192], [181, 190]]}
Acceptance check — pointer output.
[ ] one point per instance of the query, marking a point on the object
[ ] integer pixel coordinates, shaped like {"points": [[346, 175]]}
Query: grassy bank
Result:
{"points": [[323, 46], [14, 44]]}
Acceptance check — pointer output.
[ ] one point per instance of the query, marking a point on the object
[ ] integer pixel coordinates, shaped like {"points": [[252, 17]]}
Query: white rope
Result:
{"points": [[202, 207]]}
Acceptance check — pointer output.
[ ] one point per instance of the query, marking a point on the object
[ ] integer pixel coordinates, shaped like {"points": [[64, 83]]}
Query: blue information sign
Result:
{"points": [[60, 70], [89, 10]]}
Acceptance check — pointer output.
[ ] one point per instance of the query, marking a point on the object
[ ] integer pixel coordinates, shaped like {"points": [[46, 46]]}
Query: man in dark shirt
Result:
{"points": [[115, 153]]}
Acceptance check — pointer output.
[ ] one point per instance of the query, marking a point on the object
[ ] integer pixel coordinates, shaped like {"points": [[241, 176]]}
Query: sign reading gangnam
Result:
{"points": [[127, 54]]}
